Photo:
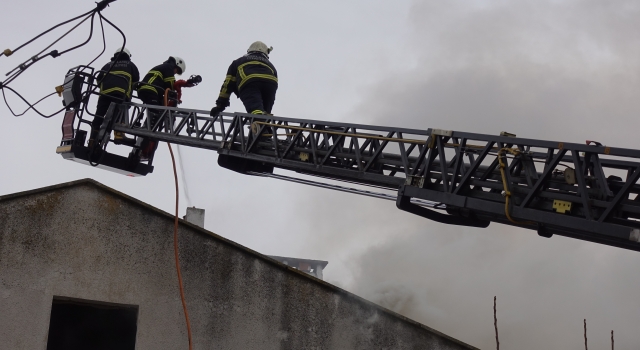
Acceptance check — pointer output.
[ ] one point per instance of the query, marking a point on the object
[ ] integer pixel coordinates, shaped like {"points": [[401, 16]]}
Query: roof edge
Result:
{"points": [[51, 188]]}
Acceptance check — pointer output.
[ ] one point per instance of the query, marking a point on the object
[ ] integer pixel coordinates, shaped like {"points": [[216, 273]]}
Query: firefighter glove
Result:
{"points": [[216, 110]]}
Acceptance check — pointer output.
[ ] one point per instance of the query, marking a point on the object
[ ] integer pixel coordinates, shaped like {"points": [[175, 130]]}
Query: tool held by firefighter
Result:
{"points": [[193, 80]]}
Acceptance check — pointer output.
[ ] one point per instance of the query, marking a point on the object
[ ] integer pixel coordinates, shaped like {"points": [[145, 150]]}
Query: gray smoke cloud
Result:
{"points": [[560, 70]]}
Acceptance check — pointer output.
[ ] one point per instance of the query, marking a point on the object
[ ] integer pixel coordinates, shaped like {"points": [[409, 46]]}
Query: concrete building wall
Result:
{"points": [[84, 240]]}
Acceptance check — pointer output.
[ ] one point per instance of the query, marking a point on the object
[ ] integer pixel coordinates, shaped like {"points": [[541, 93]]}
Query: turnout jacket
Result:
{"points": [[254, 66], [159, 79], [121, 78]]}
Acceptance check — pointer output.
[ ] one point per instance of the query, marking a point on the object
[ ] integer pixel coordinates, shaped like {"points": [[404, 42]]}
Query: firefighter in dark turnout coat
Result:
{"points": [[151, 91], [253, 78], [159, 78], [114, 87]]}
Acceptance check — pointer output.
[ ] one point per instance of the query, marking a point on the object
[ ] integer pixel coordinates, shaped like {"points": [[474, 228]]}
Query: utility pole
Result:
{"points": [[495, 323], [585, 334], [612, 339]]}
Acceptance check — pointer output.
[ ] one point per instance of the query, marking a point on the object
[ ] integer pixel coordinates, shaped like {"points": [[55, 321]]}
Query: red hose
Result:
{"points": [[175, 242]]}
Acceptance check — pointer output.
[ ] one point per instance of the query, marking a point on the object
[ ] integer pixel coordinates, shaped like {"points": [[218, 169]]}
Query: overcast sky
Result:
{"points": [[557, 70]]}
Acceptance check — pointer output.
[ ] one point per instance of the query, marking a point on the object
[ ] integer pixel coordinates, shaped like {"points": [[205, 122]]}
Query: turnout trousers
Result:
{"points": [[104, 101], [258, 97], [149, 146], [153, 99]]}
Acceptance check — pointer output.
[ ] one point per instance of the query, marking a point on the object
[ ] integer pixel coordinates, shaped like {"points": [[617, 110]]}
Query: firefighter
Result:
{"points": [[253, 78], [151, 91], [159, 78], [114, 87]]}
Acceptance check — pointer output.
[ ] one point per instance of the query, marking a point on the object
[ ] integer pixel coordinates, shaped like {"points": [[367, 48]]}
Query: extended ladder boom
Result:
{"points": [[589, 192]]}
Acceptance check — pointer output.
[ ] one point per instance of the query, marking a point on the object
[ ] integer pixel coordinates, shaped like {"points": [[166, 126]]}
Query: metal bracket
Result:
{"points": [[438, 132], [441, 132], [507, 134], [415, 180], [561, 206]]}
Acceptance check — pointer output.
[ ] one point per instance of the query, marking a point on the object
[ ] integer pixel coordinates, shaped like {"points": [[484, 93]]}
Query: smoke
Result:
{"points": [[183, 177], [560, 70], [394, 297], [545, 69]]}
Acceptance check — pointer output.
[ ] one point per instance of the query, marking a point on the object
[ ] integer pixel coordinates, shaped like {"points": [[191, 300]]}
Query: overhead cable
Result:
{"points": [[16, 72]]}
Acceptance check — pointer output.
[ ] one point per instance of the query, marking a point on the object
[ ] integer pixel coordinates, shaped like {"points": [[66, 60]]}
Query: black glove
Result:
{"points": [[216, 110]]}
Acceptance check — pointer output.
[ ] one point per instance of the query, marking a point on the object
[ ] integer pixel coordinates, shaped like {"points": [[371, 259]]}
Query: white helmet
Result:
{"points": [[181, 64], [260, 47], [125, 50]]}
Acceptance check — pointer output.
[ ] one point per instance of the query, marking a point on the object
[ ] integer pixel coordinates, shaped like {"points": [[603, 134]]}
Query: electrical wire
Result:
{"points": [[22, 68], [85, 42], [28, 108], [176, 251], [9, 52], [104, 45], [124, 43], [31, 106], [35, 58], [99, 7]]}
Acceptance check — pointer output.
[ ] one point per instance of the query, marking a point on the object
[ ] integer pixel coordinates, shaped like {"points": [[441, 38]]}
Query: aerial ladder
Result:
{"points": [[586, 191]]}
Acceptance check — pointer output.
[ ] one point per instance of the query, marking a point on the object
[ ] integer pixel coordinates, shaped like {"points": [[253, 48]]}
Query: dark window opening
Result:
{"points": [[84, 324]]}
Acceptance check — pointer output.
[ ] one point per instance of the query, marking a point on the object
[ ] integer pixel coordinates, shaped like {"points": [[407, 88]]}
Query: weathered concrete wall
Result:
{"points": [[87, 241]]}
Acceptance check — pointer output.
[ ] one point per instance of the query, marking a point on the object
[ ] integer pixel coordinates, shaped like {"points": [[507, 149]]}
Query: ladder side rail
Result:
{"points": [[579, 147]]}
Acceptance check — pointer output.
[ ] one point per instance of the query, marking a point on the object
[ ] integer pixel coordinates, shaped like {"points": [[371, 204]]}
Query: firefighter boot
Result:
{"points": [[148, 149], [95, 130]]}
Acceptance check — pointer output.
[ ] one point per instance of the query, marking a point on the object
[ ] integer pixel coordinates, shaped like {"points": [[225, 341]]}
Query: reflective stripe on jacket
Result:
{"points": [[120, 80], [250, 67], [159, 78]]}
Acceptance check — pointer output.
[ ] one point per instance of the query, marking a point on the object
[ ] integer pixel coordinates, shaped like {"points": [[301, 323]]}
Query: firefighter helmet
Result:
{"points": [[181, 64], [123, 50], [260, 47]]}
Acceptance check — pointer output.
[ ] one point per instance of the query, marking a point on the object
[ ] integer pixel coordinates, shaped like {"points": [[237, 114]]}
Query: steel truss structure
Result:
{"points": [[584, 191]]}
